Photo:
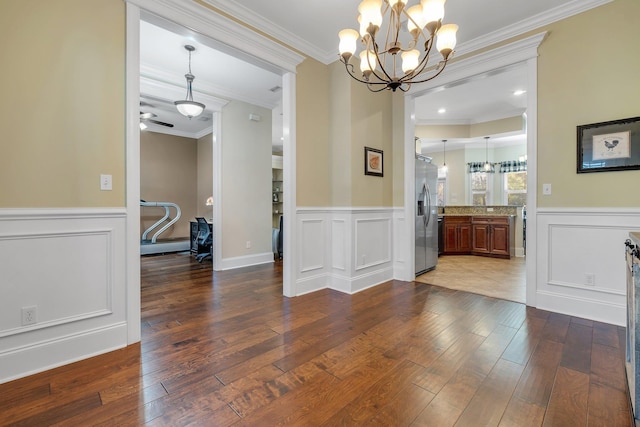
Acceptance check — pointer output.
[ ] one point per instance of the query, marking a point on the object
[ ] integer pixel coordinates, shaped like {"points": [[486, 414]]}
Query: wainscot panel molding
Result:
{"points": [[70, 265], [399, 244], [346, 249], [581, 266]]}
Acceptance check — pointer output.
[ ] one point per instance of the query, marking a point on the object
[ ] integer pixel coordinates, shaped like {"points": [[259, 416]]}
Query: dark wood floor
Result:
{"points": [[227, 349]]}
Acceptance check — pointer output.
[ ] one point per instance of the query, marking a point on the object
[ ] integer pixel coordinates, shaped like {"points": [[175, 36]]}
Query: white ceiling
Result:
{"points": [[311, 26]]}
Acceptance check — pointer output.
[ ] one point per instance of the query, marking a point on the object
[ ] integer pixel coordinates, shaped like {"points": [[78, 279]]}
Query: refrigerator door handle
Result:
{"points": [[427, 191]]}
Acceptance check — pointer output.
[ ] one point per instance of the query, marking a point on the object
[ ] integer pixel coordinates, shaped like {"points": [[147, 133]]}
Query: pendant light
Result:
{"points": [[444, 155], [189, 107], [487, 165]]}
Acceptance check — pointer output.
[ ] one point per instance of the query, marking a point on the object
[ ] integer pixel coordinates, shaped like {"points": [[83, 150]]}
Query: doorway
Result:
{"points": [[520, 53], [245, 44]]}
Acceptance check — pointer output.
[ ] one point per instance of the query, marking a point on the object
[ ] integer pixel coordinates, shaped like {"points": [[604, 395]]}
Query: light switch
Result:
{"points": [[105, 183], [546, 189]]}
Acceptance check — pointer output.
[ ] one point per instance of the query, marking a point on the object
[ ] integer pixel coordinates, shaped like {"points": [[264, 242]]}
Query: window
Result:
{"points": [[442, 190], [515, 188], [480, 188]]}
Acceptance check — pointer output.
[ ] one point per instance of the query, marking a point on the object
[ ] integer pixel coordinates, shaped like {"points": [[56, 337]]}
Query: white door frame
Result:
{"points": [[251, 46], [524, 51]]}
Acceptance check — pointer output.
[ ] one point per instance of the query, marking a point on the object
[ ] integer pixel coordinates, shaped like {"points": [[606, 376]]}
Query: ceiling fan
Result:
{"points": [[148, 117]]}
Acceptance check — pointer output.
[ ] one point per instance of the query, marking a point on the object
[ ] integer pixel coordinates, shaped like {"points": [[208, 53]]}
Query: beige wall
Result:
{"points": [[246, 180], [168, 173], [371, 126], [587, 76], [399, 142], [63, 115], [205, 175], [312, 123]]}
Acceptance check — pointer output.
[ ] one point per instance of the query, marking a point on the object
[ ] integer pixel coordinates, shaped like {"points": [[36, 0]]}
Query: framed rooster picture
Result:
{"points": [[609, 146]]}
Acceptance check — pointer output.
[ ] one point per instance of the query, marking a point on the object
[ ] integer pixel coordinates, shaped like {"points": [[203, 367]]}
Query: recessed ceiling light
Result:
{"points": [[519, 92], [442, 110]]}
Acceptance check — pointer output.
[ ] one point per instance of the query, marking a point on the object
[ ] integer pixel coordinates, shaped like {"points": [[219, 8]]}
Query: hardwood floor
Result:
{"points": [[493, 277], [226, 348]]}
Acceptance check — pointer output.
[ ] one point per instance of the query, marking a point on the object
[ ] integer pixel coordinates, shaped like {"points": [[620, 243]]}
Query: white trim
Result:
{"points": [[265, 52], [132, 173], [530, 24], [233, 8], [521, 51], [246, 15], [289, 240], [246, 261], [218, 230], [600, 311], [48, 354], [22, 214], [588, 211], [407, 270], [235, 39], [159, 83]]}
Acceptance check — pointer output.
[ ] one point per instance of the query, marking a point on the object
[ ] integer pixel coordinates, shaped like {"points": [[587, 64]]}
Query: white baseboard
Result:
{"points": [[592, 309], [246, 261], [48, 354]]}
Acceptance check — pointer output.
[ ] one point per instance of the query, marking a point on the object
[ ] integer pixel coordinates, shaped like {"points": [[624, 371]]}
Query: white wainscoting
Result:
{"points": [[346, 249], [70, 264], [573, 243]]}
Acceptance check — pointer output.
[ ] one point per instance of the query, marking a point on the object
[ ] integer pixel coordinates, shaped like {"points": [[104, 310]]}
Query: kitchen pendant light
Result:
{"points": [[189, 107], [487, 165], [444, 155]]}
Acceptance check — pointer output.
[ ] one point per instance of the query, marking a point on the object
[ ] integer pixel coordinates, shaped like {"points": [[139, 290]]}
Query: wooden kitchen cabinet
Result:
{"points": [[493, 236], [457, 235]]}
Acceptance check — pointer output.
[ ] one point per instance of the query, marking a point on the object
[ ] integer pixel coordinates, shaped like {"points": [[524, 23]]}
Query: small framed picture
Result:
{"points": [[609, 146], [373, 162]]}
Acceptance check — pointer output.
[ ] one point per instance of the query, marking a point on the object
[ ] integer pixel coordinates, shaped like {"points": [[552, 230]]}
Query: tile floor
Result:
{"points": [[494, 277]]}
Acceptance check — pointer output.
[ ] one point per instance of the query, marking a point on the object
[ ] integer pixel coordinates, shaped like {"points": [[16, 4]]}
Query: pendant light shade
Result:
{"points": [[189, 107]]}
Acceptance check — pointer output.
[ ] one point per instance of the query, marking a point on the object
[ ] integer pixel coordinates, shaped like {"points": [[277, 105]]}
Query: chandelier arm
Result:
{"points": [[351, 72]]}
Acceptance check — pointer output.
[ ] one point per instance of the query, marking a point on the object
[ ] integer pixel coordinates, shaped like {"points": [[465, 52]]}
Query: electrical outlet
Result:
{"points": [[29, 315], [546, 189], [248, 244], [589, 279]]}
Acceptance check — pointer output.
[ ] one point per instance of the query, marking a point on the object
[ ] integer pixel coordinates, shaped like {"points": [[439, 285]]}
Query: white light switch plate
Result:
{"points": [[106, 183]]}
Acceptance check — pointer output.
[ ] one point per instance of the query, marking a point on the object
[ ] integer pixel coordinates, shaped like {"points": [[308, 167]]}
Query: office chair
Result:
{"points": [[204, 240]]}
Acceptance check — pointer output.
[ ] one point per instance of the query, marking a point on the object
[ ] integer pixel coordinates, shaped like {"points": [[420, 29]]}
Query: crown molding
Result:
{"points": [[233, 8], [171, 92], [215, 92], [224, 30], [246, 15], [530, 24]]}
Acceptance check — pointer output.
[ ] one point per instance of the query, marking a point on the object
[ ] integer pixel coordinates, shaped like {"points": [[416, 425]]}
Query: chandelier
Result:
{"points": [[189, 107], [379, 60]]}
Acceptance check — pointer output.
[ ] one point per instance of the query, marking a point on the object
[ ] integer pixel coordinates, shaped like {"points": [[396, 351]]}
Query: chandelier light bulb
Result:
{"points": [[348, 40], [410, 60], [446, 40], [433, 11], [367, 62], [370, 11], [416, 22]]}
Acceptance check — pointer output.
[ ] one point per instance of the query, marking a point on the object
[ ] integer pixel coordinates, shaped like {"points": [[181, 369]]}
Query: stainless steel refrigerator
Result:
{"points": [[426, 209]]}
